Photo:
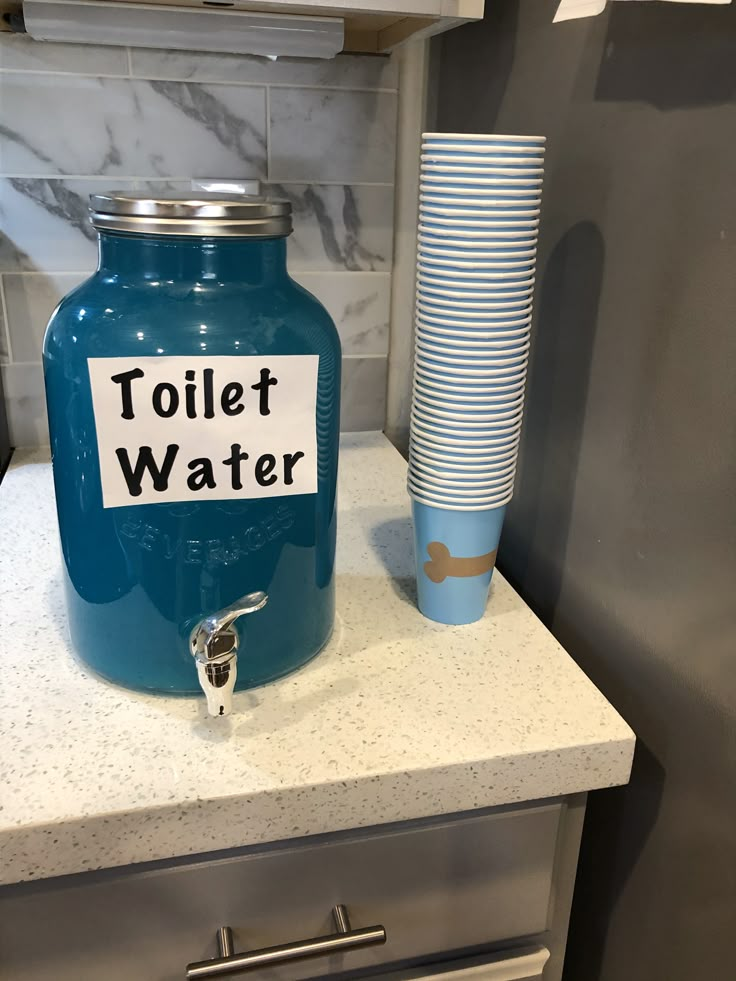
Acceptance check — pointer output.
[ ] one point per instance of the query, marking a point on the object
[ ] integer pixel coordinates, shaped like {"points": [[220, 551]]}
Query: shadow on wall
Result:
{"points": [[604, 872], [682, 77], [535, 533], [481, 74]]}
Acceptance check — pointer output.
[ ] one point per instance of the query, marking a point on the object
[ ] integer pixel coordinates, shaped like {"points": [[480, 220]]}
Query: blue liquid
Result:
{"points": [[139, 578]]}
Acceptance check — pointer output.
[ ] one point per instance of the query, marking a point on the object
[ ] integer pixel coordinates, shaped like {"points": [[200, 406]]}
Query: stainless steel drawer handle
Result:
{"points": [[230, 963]]}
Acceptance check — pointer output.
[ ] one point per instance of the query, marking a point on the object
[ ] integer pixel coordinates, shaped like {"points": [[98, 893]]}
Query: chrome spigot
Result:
{"points": [[214, 645]]}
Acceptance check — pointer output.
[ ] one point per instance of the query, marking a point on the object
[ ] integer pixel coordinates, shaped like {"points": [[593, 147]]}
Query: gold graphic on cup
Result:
{"points": [[442, 564]]}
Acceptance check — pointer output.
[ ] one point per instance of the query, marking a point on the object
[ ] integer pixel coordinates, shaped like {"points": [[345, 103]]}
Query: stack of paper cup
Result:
{"points": [[479, 213]]}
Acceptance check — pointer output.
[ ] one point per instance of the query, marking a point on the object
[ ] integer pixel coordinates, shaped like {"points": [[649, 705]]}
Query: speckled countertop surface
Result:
{"points": [[398, 718]]}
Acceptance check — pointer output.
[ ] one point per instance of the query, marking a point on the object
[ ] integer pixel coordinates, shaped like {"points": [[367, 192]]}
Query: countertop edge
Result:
{"points": [[218, 822]]}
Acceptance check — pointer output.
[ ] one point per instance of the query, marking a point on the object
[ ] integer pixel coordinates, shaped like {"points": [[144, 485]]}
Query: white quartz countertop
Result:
{"points": [[398, 718]]}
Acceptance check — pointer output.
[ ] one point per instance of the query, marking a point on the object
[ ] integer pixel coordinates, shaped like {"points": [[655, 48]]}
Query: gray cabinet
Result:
{"points": [[440, 887]]}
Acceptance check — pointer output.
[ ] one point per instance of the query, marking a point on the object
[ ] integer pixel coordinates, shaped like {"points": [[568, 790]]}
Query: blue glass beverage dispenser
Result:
{"points": [[193, 398]]}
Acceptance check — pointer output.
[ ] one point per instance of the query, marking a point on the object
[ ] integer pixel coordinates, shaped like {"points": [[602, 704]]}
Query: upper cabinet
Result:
{"points": [[379, 25], [371, 26]]}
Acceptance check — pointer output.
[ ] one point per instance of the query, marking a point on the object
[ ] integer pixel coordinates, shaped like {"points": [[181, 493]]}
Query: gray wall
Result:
{"points": [[622, 533]]}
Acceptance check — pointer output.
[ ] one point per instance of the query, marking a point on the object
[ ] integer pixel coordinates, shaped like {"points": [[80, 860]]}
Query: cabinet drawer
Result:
{"points": [[436, 886], [519, 965]]}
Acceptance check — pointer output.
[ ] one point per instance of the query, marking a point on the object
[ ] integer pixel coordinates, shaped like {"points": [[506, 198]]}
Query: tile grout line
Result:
{"points": [[311, 182], [6, 320], [297, 272], [268, 134], [308, 182], [45, 72], [349, 357], [365, 357], [201, 81]]}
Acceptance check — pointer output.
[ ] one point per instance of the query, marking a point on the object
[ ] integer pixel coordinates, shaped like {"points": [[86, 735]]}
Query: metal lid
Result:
{"points": [[192, 213]]}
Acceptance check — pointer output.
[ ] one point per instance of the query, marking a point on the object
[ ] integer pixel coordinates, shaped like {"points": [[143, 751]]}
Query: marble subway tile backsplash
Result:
{"points": [[21, 54], [322, 134], [125, 127], [201, 66], [26, 404], [45, 223], [75, 119], [339, 227]]}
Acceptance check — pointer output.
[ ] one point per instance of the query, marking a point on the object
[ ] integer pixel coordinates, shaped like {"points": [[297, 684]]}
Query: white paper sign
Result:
{"points": [[205, 428], [573, 9]]}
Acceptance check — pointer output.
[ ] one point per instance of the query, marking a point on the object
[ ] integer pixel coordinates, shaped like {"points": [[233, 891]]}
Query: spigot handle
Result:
{"points": [[206, 634], [214, 645]]}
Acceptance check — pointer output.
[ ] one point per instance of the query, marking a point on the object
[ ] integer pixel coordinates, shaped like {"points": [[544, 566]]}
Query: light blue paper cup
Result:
{"points": [[486, 255], [472, 354], [473, 184], [513, 208], [478, 435], [505, 345], [482, 212], [473, 155], [483, 480], [510, 144], [489, 391], [473, 334], [483, 441], [485, 192], [453, 224], [484, 185], [501, 319], [483, 158], [492, 418], [470, 210], [489, 253], [471, 450], [465, 274], [480, 224], [453, 386], [478, 472], [473, 222], [480, 171], [432, 344], [482, 139], [423, 454], [499, 375], [475, 263], [452, 198], [464, 386], [498, 332], [484, 484], [513, 308], [470, 275], [442, 540], [474, 292], [464, 404], [465, 303], [479, 482], [448, 293], [504, 259], [473, 412], [483, 360], [467, 307], [495, 240], [477, 414], [453, 269]]}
